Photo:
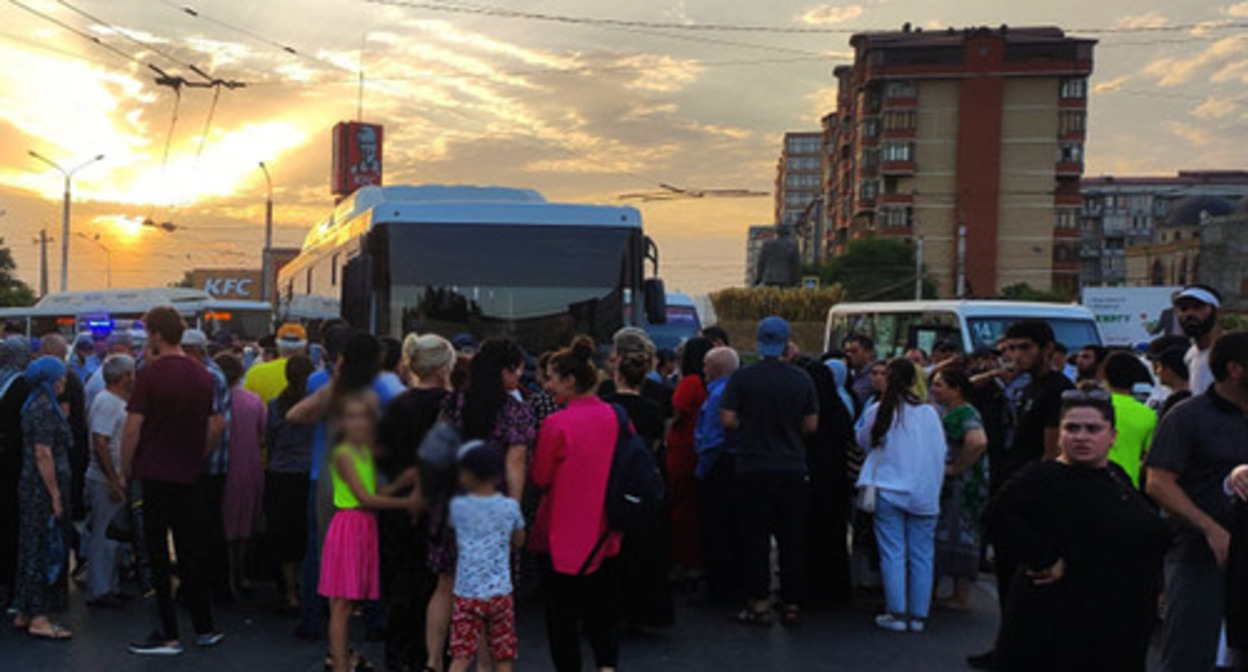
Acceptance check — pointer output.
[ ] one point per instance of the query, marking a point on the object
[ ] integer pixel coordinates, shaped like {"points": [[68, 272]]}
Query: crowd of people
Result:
{"points": [[427, 485]]}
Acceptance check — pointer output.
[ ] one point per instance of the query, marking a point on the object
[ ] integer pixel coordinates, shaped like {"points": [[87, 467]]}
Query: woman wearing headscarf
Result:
{"points": [[41, 587], [827, 556], [14, 355]]}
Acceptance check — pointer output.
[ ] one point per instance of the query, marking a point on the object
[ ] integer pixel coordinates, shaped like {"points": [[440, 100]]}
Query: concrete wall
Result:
{"points": [[935, 182], [1029, 152]]}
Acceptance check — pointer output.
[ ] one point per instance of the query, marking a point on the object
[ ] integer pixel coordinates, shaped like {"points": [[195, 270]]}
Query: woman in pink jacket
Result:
{"points": [[571, 465]]}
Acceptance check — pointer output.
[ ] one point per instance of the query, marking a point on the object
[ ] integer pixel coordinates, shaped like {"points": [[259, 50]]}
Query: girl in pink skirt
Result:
{"points": [[349, 560]]}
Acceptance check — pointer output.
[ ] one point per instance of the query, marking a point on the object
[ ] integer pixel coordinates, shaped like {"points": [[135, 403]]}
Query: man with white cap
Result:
{"points": [[1197, 309], [268, 379], [120, 342]]}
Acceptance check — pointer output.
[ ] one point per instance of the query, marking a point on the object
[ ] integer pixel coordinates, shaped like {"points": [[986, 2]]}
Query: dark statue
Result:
{"points": [[780, 261]]}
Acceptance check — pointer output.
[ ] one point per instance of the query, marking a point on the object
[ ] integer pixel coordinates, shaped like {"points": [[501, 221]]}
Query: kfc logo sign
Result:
{"points": [[240, 284], [357, 156]]}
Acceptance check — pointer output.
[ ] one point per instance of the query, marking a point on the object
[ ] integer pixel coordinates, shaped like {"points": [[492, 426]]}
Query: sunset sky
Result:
{"points": [[580, 112]]}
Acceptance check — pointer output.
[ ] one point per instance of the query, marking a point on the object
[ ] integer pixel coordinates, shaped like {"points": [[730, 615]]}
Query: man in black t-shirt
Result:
{"points": [[772, 405], [1030, 344], [1195, 447]]}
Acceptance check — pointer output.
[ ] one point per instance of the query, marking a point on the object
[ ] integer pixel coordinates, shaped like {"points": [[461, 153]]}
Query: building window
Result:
{"points": [[870, 127], [1074, 87], [1070, 152], [1068, 219], [896, 217], [1072, 121], [870, 158], [898, 151], [870, 189], [900, 120], [900, 88]]}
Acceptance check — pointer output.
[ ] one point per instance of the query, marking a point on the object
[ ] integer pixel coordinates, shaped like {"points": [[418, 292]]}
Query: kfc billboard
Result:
{"points": [[229, 283], [357, 156]]}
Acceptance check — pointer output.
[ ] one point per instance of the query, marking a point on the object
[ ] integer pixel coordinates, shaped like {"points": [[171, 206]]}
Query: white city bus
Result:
{"points": [[100, 312], [483, 260], [897, 326]]}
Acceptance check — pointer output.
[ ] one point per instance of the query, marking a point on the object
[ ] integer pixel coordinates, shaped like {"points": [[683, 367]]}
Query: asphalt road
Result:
{"points": [[704, 639]]}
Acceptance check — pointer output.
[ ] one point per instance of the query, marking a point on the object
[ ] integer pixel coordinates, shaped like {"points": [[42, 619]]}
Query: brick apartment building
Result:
{"points": [[979, 130]]}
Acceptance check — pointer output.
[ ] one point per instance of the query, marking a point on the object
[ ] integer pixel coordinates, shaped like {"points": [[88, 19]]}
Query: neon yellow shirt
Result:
{"points": [[1135, 423], [362, 458], [266, 379]]}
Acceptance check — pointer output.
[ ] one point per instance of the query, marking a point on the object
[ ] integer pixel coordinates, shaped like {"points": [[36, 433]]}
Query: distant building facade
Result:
{"points": [[977, 131], [1205, 240], [1120, 213], [799, 185]]}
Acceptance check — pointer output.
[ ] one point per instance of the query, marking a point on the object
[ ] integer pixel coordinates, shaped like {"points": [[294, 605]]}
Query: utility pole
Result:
{"points": [[918, 269], [43, 262], [69, 176], [961, 276], [266, 261]]}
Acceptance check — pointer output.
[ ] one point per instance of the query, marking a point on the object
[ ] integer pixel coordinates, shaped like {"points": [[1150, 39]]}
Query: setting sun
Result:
{"points": [[123, 226]]}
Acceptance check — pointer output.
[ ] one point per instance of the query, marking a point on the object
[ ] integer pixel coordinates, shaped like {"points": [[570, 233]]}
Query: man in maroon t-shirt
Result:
{"points": [[164, 444]]}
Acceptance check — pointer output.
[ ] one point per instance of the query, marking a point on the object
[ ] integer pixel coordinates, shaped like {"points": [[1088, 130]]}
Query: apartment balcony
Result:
{"points": [[898, 167], [1070, 168]]}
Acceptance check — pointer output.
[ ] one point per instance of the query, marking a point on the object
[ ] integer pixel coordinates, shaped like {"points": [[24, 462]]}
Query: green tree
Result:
{"points": [[876, 269], [1024, 292], [13, 292], [184, 282]]}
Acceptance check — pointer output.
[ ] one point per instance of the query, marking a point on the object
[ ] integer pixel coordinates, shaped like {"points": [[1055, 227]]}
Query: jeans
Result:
{"points": [[592, 603], [176, 507], [1195, 596], [907, 550], [767, 504], [102, 570]]}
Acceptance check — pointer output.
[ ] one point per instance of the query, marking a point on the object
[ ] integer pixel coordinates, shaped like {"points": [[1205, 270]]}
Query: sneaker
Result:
{"points": [[155, 646], [891, 622], [209, 639], [918, 625]]}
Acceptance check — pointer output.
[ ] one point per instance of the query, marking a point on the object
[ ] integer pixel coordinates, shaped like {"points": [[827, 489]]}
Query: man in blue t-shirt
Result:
{"points": [[715, 446]]}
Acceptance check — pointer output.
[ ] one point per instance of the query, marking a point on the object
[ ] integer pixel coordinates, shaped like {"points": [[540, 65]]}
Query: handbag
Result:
{"points": [[867, 494]]}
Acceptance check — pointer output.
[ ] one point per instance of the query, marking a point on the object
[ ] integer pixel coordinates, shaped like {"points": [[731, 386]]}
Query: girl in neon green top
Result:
{"points": [[349, 561]]}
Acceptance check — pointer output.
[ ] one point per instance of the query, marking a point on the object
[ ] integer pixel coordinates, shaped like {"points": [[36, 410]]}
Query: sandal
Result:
{"points": [[56, 634], [751, 616], [790, 615]]}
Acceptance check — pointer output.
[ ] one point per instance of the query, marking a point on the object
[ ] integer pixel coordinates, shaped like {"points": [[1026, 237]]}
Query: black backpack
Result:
{"points": [[634, 486]]}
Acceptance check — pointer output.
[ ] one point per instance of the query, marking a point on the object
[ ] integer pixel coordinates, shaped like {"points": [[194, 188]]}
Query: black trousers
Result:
{"points": [[717, 531], [178, 508], [217, 571], [591, 603], [767, 504], [406, 585]]}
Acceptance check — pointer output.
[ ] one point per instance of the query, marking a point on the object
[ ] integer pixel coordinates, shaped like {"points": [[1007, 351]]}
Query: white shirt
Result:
{"points": [[910, 463], [107, 417], [1199, 375]]}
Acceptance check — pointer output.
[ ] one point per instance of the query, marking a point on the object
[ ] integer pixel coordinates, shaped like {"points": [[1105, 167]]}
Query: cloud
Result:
{"points": [[822, 101], [1153, 19], [1237, 10], [1214, 107], [826, 15], [1111, 85], [1199, 137], [1174, 71]]}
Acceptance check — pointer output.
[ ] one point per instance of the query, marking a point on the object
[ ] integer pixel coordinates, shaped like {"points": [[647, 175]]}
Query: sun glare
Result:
{"points": [[124, 226]]}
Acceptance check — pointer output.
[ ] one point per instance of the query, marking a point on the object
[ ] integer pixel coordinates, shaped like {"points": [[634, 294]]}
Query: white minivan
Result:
{"points": [[896, 326]]}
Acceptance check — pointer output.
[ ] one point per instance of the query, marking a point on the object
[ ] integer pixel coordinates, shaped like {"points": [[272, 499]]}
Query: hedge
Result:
{"points": [[795, 304]]}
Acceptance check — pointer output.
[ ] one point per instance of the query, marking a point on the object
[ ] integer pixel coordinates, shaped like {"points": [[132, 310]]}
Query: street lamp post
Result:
{"points": [[266, 263], [108, 255], [69, 176]]}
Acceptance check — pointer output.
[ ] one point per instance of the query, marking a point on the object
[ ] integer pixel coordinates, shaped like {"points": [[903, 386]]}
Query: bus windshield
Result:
{"points": [[540, 285]]}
